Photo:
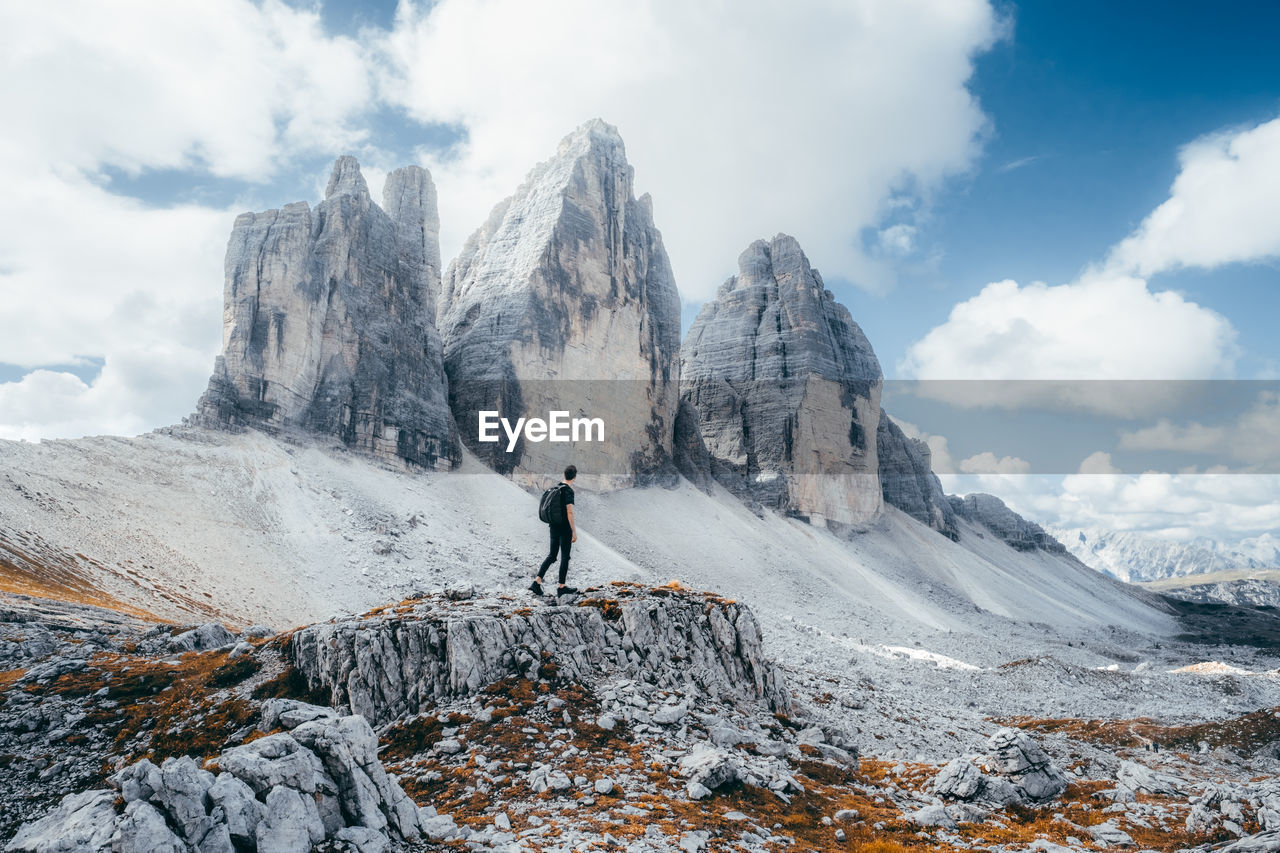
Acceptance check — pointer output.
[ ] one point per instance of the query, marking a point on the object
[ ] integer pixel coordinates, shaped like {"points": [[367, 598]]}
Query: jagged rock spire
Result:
{"points": [[787, 389], [328, 321], [564, 300]]}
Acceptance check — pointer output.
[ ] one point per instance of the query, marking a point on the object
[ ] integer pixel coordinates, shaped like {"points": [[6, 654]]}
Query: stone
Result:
{"points": [[709, 766], [359, 839], [1109, 833], [329, 322], [291, 713], [907, 480], [787, 390], [1143, 780], [1021, 760], [142, 829], [273, 761], [290, 823], [241, 811], [603, 786], [203, 638], [564, 300], [960, 779], [83, 821], [932, 815]]}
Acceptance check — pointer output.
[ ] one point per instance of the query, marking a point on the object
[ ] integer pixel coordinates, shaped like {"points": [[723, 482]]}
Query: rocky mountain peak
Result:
{"points": [[787, 389], [564, 300], [346, 178], [328, 321]]}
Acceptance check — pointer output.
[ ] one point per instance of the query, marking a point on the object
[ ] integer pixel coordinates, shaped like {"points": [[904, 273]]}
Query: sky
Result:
{"points": [[1001, 191]]}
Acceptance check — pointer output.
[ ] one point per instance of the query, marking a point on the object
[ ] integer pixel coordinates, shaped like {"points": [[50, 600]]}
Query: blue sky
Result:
{"points": [[1095, 98], [1127, 155]]}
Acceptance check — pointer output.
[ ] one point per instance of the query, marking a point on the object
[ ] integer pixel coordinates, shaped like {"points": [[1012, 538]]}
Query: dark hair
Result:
{"points": [[570, 472]]}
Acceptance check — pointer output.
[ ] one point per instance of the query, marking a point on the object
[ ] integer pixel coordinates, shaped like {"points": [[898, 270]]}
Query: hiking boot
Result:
{"points": [[567, 590], [536, 588]]}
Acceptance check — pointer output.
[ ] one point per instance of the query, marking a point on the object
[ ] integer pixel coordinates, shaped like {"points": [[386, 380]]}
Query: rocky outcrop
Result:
{"points": [[564, 301], [329, 321], [387, 665], [787, 390], [319, 781], [1014, 770], [907, 480], [1013, 529]]}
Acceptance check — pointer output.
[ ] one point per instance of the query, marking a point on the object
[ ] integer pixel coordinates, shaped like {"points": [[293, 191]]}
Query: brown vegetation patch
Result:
{"points": [[1244, 734]]}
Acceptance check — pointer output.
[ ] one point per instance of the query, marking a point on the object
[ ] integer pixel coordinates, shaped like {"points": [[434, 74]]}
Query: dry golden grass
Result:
{"points": [[1244, 734]]}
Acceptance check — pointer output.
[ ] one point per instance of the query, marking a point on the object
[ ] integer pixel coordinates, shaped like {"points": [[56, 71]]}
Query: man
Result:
{"points": [[563, 534]]}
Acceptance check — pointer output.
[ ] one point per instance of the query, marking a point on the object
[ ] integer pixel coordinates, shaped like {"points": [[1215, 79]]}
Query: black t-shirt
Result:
{"points": [[566, 492]]}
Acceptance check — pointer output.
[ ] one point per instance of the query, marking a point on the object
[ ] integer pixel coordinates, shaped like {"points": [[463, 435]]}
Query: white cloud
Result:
{"points": [[1252, 439], [1098, 328], [898, 239], [741, 119], [1222, 208], [231, 89], [231, 86], [1110, 323], [1098, 462], [988, 463]]}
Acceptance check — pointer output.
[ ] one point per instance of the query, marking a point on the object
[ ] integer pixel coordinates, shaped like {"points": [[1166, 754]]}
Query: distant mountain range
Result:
{"points": [[1141, 557]]}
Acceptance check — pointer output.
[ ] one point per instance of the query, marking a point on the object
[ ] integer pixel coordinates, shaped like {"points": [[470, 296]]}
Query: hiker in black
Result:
{"points": [[563, 534]]}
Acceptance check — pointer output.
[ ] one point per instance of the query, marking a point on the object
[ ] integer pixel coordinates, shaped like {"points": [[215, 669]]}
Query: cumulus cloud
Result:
{"points": [[806, 122], [1252, 439], [1098, 462], [1111, 323], [988, 463], [1100, 327], [231, 89], [1222, 208]]}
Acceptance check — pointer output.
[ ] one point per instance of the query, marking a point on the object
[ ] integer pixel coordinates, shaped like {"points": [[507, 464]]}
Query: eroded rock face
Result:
{"points": [[329, 321], [389, 664], [564, 300], [992, 513], [787, 390], [291, 790], [907, 480]]}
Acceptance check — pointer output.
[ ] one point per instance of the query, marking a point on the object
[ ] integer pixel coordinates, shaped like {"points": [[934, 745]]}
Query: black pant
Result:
{"points": [[561, 543]]}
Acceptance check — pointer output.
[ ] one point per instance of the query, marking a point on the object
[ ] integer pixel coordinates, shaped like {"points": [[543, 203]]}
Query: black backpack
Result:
{"points": [[551, 507]]}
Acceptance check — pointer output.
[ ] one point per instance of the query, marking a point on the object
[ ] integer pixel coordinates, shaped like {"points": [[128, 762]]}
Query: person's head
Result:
{"points": [[570, 472]]}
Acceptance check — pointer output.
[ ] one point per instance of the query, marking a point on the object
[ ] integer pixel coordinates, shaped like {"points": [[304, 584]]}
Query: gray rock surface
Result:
{"points": [[286, 793], [1016, 531], [907, 480], [564, 300], [329, 321], [787, 390], [388, 664], [1015, 769]]}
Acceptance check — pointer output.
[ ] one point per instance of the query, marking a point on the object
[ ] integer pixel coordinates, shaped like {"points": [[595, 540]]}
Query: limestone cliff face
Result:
{"points": [[907, 480], [787, 390], [564, 300], [328, 321]]}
